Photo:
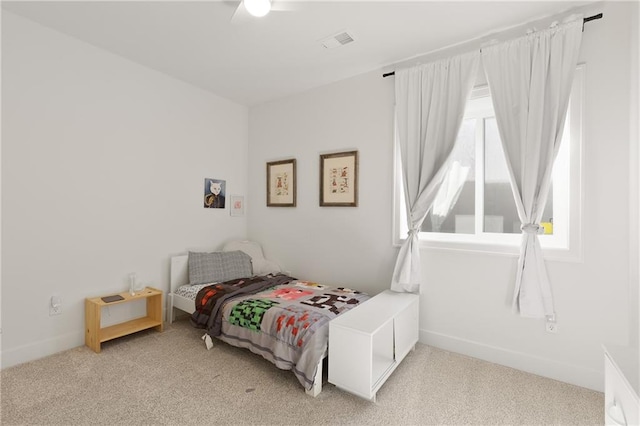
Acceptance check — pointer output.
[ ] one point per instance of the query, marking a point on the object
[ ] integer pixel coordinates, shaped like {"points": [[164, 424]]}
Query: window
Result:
{"points": [[475, 210]]}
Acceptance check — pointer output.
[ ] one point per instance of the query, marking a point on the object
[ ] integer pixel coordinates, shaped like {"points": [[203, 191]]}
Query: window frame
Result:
{"points": [[562, 246]]}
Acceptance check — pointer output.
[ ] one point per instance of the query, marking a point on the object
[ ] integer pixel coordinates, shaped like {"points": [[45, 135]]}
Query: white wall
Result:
{"points": [[103, 168], [634, 196], [334, 245], [465, 301]]}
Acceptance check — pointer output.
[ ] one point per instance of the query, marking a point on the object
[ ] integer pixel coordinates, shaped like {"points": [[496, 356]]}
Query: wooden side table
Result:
{"points": [[95, 335]]}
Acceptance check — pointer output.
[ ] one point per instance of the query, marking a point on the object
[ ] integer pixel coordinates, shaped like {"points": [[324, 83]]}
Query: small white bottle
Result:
{"points": [[132, 283]]}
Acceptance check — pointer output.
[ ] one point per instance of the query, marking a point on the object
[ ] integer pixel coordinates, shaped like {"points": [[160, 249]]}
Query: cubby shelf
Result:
{"points": [[367, 343]]}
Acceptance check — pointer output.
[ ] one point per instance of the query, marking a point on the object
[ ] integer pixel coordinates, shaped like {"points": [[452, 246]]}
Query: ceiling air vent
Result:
{"points": [[336, 40]]}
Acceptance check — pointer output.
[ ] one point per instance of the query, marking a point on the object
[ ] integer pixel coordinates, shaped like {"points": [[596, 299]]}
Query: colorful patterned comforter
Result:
{"points": [[284, 319]]}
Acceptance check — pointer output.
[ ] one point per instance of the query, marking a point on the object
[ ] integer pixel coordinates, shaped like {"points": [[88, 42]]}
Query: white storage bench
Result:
{"points": [[368, 342], [621, 386]]}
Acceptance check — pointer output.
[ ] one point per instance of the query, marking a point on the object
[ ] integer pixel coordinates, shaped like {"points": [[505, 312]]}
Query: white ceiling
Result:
{"points": [[260, 59]]}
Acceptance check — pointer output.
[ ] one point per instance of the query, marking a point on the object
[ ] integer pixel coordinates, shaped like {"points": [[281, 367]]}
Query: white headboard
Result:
{"points": [[179, 271]]}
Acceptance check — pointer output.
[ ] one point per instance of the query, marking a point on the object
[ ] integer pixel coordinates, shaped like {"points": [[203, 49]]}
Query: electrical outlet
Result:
{"points": [[552, 327], [55, 306]]}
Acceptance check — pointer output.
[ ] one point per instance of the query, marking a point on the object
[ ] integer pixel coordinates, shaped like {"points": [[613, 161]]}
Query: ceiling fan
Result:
{"points": [[258, 8]]}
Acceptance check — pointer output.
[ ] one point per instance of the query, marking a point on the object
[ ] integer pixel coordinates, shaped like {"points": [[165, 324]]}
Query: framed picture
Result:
{"points": [[237, 205], [339, 179], [214, 193], [281, 183]]}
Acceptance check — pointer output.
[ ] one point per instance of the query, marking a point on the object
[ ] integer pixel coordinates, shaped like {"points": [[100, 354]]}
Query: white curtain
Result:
{"points": [[448, 194], [530, 81], [430, 102]]}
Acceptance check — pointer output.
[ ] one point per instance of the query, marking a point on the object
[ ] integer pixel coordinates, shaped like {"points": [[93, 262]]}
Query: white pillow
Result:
{"points": [[264, 266], [261, 266]]}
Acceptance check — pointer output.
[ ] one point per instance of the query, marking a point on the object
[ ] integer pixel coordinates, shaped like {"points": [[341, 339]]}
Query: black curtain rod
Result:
{"points": [[584, 21]]}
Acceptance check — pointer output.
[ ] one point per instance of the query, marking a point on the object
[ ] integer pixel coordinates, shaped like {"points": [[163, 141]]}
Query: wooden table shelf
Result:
{"points": [[95, 335]]}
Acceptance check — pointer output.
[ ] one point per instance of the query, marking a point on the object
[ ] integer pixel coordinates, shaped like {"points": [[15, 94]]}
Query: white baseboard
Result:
{"points": [[579, 376], [41, 349]]}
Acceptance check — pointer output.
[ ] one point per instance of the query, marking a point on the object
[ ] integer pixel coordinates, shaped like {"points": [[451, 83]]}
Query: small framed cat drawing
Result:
{"points": [[281, 183], [214, 193]]}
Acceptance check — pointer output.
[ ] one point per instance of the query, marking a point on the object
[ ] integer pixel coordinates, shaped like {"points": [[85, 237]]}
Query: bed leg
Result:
{"points": [[170, 308], [317, 382]]}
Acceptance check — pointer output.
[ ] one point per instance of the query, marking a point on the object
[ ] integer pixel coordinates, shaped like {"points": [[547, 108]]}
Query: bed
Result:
{"points": [[263, 309]]}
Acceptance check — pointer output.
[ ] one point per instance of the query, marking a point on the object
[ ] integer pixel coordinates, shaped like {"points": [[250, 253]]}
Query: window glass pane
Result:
{"points": [[547, 216], [500, 214], [478, 211], [454, 206]]}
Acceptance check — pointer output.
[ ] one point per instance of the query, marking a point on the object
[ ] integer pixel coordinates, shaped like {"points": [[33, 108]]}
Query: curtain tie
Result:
{"points": [[413, 232], [532, 228]]}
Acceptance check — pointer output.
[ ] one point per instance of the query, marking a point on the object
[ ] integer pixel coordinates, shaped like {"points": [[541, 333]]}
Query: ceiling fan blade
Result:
{"points": [[241, 14], [283, 6]]}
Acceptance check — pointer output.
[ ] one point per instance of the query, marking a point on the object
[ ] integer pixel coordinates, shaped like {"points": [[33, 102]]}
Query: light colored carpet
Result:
{"points": [[170, 378]]}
